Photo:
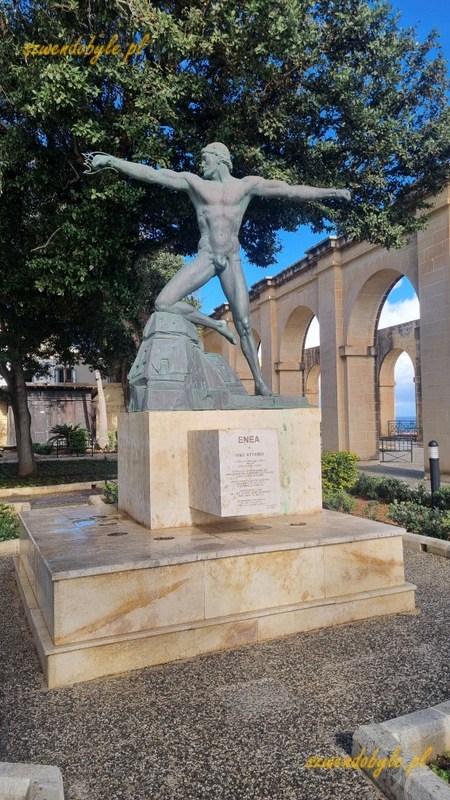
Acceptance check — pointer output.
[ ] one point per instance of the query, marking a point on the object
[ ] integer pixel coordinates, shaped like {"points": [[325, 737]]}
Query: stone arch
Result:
{"points": [[401, 338], [386, 388], [292, 344], [312, 388], [359, 359], [366, 306]]}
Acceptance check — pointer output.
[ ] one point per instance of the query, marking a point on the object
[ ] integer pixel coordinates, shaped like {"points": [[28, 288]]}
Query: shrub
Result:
{"points": [[420, 519], [420, 495], [390, 489], [74, 436], [9, 524], [441, 766], [112, 440], [338, 500], [78, 440], [372, 509], [366, 487], [42, 449], [338, 470], [111, 492], [441, 498]]}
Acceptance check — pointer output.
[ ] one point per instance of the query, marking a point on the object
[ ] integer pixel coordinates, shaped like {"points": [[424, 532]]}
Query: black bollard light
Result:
{"points": [[435, 473]]}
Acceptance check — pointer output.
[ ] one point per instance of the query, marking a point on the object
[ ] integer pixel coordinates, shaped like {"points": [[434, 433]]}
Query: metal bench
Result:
{"points": [[396, 447]]}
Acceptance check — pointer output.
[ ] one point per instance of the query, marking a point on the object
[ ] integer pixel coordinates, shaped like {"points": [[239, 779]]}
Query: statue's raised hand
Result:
{"points": [[94, 162], [343, 194]]}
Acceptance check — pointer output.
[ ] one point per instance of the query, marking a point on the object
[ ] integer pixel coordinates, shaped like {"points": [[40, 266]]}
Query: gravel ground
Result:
{"points": [[238, 725]]}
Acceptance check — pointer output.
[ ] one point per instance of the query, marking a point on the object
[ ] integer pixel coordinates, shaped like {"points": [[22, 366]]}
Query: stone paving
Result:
{"points": [[238, 725], [66, 498], [404, 469]]}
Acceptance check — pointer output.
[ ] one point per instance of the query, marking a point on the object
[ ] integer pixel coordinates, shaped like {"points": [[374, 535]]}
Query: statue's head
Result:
{"points": [[212, 155]]}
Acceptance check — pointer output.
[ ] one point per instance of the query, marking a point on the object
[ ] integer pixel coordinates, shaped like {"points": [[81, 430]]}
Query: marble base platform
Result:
{"points": [[104, 595]]}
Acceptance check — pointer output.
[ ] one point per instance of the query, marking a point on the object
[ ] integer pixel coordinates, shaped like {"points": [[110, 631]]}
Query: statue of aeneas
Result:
{"points": [[220, 201]]}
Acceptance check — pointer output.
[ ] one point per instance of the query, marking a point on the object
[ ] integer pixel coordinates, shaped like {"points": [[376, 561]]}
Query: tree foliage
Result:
{"points": [[321, 93]]}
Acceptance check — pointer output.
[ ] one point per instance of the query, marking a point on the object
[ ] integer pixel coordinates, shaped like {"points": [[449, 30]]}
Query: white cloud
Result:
{"points": [[396, 313], [404, 370], [313, 335], [405, 395]]}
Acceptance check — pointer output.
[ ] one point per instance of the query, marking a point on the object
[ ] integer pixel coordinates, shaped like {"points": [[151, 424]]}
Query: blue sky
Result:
{"points": [[402, 304]]}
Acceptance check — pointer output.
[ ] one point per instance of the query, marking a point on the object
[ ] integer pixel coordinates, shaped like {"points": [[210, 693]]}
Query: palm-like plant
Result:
{"points": [[74, 436]]}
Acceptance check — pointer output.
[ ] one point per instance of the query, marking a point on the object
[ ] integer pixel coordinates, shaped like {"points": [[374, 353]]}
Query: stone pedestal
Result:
{"points": [[104, 595], [153, 463], [220, 541], [234, 472]]}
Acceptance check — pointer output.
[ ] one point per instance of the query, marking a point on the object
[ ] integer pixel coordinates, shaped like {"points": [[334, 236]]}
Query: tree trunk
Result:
{"points": [[102, 431], [22, 420]]}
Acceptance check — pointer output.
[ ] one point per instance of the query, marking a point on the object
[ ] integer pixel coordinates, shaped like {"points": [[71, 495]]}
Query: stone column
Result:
{"points": [[3, 423], [334, 412], [360, 375], [289, 378], [387, 403], [434, 296], [267, 325]]}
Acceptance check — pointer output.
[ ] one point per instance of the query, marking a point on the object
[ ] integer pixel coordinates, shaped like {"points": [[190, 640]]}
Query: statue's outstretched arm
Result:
{"points": [[267, 188], [140, 172]]}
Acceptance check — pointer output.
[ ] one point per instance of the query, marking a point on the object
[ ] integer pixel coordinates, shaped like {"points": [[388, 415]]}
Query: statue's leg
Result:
{"points": [[188, 279], [235, 289]]}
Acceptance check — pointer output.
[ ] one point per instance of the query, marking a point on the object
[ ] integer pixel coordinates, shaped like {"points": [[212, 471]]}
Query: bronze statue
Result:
{"points": [[220, 201]]}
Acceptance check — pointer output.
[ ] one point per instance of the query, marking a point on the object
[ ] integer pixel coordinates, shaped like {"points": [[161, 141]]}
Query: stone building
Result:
{"points": [[63, 395]]}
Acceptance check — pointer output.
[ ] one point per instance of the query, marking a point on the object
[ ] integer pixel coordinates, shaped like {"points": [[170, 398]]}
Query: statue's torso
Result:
{"points": [[220, 208]]}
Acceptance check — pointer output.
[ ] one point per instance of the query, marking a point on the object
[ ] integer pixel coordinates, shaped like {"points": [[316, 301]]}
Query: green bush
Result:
{"points": [[442, 498], [112, 440], [111, 492], [372, 509], [338, 470], [78, 440], [420, 495], [73, 436], [42, 449], [420, 519], [9, 524], [390, 489], [441, 766], [338, 500], [366, 487]]}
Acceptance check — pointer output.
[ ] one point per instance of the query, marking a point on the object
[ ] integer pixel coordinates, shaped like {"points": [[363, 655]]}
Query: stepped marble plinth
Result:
{"points": [[103, 595]]}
